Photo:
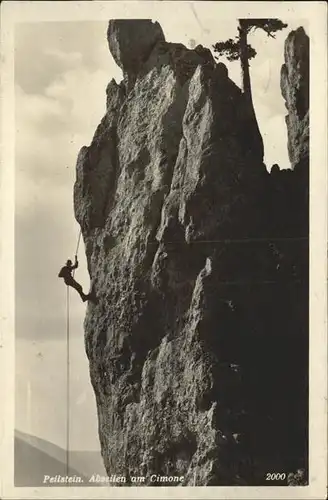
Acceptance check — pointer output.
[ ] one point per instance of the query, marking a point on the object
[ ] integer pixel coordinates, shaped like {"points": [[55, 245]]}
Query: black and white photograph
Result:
{"points": [[163, 255]]}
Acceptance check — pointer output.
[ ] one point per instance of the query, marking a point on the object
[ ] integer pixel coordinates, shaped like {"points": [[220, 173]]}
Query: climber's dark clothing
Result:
{"points": [[66, 273], [74, 284]]}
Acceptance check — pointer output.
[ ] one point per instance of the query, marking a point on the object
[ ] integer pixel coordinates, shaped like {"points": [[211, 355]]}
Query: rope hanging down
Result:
{"points": [[67, 366], [67, 388], [77, 246]]}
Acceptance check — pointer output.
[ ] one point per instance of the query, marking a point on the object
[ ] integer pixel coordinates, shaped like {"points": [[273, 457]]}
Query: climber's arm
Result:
{"points": [[76, 265]]}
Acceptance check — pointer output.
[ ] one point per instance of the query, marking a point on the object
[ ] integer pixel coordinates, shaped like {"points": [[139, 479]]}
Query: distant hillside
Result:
{"points": [[36, 457]]}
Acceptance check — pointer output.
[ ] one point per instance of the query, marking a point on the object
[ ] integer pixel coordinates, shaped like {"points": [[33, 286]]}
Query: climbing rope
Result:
{"points": [[77, 247], [67, 379], [67, 365]]}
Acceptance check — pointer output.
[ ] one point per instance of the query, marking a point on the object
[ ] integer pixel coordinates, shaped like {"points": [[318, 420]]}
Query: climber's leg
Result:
{"points": [[74, 284]]}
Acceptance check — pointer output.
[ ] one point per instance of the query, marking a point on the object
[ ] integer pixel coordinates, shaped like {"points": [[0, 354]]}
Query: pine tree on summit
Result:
{"points": [[239, 48]]}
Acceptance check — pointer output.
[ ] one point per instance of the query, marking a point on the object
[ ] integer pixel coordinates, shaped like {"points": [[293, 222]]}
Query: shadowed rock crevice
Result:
{"points": [[198, 343]]}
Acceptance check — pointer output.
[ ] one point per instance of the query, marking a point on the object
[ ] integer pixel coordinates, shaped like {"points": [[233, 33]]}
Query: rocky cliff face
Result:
{"points": [[295, 90], [198, 341]]}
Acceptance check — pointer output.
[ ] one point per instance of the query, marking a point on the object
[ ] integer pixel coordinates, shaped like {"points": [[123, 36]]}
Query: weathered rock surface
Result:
{"points": [[295, 90], [198, 343], [131, 43]]}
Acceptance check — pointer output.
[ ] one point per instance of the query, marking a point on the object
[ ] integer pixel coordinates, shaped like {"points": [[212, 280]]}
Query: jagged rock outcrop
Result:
{"points": [[131, 43], [289, 191], [201, 311], [295, 90]]}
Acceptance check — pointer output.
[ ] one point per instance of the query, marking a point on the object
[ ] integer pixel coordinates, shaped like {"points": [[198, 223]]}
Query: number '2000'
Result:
{"points": [[275, 476]]}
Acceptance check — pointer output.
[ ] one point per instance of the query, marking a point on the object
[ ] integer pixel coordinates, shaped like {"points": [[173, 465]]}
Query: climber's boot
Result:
{"points": [[91, 297]]}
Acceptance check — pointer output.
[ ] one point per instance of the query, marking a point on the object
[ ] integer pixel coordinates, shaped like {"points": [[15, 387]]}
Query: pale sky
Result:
{"points": [[61, 73]]}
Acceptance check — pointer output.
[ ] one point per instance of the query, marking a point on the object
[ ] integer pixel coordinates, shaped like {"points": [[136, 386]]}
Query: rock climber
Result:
{"points": [[66, 273]]}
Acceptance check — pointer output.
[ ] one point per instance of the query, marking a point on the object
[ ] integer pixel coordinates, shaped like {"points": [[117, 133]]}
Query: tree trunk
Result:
{"points": [[254, 137], [246, 79]]}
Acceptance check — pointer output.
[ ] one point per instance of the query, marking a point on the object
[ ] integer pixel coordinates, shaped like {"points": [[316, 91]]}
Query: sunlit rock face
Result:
{"points": [[295, 90], [197, 342]]}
